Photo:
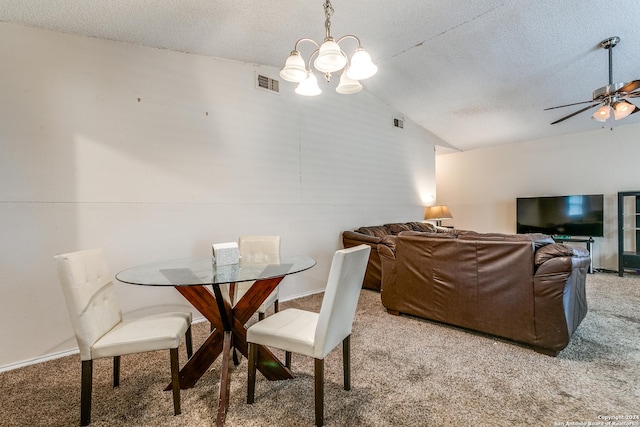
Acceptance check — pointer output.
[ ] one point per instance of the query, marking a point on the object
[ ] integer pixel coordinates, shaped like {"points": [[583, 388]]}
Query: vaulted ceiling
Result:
{"points": [[476, 73]]}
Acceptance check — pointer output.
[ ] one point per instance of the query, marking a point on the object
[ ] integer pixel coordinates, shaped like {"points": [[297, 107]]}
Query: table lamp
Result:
{"points": [[437, 213]]}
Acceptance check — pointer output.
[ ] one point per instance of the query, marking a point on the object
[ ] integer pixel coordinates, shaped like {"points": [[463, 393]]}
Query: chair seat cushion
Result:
{"points": [[155, 332], [290, 330]]}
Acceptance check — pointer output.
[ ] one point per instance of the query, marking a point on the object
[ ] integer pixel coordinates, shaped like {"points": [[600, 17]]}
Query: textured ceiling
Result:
{"points": [[476, 73]]}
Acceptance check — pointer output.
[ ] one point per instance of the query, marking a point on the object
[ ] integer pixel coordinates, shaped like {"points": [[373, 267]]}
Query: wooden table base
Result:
{"points": [[228, 332]]}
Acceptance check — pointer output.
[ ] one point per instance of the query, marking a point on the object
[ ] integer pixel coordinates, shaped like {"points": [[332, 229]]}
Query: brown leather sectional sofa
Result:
{"points": [[374, 235], [524, 288]]}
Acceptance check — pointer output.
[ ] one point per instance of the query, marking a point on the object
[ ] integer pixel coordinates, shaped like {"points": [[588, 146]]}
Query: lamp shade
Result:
{"points": [[437, 212], [309, 86], [330, 58], [361, 66], [347, 85], [622, 109], [602, 114], [294, 69]]}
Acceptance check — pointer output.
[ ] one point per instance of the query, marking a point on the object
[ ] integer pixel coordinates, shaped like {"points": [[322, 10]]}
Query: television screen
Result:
{"points": [[561, 215]]}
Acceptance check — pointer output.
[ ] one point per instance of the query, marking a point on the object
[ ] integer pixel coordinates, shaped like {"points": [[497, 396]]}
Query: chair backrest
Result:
{"points": [[90, 295], [340, 298], [259, 248]]}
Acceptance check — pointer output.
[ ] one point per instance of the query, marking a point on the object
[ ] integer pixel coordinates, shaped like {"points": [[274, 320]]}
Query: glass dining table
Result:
{"points": [[192, 278]]}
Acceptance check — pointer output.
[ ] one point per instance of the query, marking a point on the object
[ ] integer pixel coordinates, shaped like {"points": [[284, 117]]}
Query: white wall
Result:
{"points": [[152, 154], [481, 186]]}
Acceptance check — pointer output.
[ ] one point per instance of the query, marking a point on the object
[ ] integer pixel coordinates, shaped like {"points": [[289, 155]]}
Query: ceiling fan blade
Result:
{"points": [[567, 105], [577, 112], [630, 87], [635, 110]]}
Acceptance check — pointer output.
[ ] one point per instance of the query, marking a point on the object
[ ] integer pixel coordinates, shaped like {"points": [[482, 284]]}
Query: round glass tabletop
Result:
{"points": [[203, 271]]}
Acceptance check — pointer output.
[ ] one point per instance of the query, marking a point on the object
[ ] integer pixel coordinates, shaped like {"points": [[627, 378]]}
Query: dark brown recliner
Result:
{"points": [[524, 288]]}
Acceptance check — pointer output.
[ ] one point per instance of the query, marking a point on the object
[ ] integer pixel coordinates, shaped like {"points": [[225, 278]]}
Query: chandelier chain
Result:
{"points": [[328, 11]]}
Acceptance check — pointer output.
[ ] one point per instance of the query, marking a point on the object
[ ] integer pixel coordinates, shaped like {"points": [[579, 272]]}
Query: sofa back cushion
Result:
{"points": [[395, 228], [426, 227], [375, 230], [481, 281]]}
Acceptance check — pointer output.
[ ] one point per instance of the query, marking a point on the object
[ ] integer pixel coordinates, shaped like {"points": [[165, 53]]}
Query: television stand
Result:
{"points": [[586, 240]]}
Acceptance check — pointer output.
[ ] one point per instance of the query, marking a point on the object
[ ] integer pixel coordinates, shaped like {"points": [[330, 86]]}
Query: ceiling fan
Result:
{"points": [[612, 96]]}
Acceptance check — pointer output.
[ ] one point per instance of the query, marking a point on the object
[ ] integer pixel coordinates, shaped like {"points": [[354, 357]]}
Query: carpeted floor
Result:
{"points": [[405, 372]]}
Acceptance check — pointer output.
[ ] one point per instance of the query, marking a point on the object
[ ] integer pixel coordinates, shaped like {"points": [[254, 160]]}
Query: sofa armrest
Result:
{"points": [[353, 238], [559, 258], [559, 292], [388, 288]]}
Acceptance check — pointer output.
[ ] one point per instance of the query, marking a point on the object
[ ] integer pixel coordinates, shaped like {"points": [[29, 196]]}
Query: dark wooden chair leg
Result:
{"points": [[287, 359], [189, 342], [319, 390], [116, 371], [251, 377], [175, 380], [346, 362], [276, 306], [260, 316], [85, 392]]}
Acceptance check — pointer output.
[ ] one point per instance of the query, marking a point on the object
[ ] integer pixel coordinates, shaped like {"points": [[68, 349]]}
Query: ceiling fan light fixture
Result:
{"points": [[622, 109], [610, 97], [602, 114]]}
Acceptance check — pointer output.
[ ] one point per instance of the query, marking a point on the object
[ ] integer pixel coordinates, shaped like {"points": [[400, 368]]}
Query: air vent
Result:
{"points": [[266, 83], [399, 123]]}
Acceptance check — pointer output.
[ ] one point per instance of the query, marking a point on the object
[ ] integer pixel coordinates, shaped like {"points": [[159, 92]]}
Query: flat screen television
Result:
{"points": [[581, 215]]}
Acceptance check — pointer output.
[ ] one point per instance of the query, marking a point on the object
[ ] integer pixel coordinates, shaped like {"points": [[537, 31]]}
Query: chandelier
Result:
{"points": [[329, 58]]}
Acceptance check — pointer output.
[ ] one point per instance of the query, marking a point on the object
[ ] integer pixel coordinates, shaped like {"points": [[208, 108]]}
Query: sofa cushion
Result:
{"points": [[395, 228], [447, 230], [426, 227], [375, 230]]}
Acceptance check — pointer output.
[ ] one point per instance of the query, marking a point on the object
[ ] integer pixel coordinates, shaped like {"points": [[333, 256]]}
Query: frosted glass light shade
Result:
{"points": [[294, 69], [622, 109], [330, 58], [309, 86], [361, 66], [348, 86], [602, 114]]}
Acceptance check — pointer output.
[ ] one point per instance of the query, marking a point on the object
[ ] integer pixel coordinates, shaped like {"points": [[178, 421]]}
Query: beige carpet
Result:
{"points": [[406, 372]]}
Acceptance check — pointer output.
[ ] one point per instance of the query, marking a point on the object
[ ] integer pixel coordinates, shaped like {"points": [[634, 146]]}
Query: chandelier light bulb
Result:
{"points": [[330, 57], [602, 114], [294, 68], [309, 86], [361, 65], [348, 86]]}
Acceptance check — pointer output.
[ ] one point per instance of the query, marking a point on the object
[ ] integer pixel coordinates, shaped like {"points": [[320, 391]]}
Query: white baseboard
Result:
{"points": [[36, 360]]}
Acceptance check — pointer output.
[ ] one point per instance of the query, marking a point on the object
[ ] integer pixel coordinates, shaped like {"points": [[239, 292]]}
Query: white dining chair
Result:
{"points": [[315, 334], [99, 327], [259, 249]]}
